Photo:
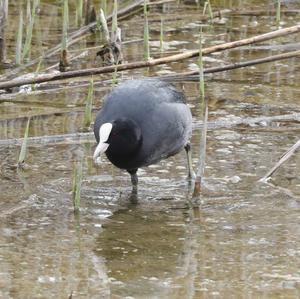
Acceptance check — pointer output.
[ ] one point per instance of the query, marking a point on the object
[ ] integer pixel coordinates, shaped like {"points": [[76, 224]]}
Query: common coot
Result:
{"points": [[142, 122]]}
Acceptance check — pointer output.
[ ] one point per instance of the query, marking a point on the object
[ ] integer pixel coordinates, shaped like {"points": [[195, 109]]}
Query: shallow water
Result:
{"points": [[240, 240]]}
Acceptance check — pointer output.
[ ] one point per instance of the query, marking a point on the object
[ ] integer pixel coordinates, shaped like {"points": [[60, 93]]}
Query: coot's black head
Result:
{"points": [[119, 139]]}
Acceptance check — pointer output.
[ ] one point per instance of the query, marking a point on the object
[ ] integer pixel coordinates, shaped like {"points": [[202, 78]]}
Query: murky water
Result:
{"points": [[241, 240]]}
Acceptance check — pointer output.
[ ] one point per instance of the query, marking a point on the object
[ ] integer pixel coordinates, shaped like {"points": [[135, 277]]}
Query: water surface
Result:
{"points": [[241, 239]]}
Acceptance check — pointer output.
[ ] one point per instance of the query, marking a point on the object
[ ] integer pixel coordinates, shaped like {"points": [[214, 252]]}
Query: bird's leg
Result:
{"points": [[191, 173], [134, 179]]}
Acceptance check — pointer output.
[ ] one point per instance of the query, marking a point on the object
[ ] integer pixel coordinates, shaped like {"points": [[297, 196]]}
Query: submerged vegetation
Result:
{"points": [[24, 145], [76, 188], [89, 105]]}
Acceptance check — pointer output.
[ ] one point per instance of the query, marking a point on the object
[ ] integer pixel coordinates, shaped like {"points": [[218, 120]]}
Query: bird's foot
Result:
{"points": [[133, 197]]}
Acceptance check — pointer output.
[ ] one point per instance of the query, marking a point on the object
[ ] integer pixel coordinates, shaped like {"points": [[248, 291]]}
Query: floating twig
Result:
{"points": [[194, 75], [283, 159], [152, 62], [185, 76]]}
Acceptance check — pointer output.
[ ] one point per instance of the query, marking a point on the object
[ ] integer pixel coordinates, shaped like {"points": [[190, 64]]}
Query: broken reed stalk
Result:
{"points": [[19, 39], [76, 188], [89, 104], [3, 18], [104, 6], [63, 63], [114, 25], [27, 44], [161, 35], [87, 7], [278, 7], [104, 27], [133, 65], [23, 150], [204, 109], [207, 6], [210, 12], [146, 33], [194, 75], [79, 12], [4, 8], [284, 158], [110, 52], [28, 11]]}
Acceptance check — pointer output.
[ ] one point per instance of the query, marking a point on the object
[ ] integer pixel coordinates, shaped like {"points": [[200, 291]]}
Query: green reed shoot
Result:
{"points": [[98, 23], [114, 25], [146, 33], [161, 35], [278, 14], [23, 150], [210, 12], [104, 32], [114, 80], [65, 24], [207, 6], [39, 36], [79, 12], [88, 106], [104, 6], [33, 86], [200, 65], [28, 11], [63, 63], [19, 40], [27, 44], [76, 188]]}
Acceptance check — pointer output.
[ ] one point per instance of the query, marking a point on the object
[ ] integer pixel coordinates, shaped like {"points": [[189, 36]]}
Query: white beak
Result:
{"points": [[100, 149], [102, 146]]}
